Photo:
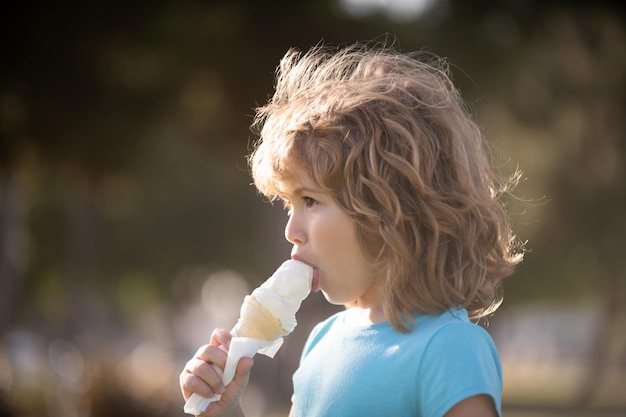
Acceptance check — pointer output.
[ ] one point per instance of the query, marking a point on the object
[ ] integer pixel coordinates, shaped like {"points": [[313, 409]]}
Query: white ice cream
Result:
{"points": [[283, 292]]}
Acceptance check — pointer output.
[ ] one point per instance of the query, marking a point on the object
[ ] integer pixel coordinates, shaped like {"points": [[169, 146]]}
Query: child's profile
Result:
{"points": [[393, 201]]}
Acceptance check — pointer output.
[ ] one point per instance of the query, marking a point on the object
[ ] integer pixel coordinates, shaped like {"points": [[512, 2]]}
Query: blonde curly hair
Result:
{"points": [[388, 136]]}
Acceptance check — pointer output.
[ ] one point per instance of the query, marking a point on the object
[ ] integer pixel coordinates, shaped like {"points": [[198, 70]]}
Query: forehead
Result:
{"points": [[296, 181]]}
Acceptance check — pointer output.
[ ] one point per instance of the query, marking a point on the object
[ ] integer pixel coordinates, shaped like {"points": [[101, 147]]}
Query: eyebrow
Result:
{"points": [[307, 190], [300, 191]]}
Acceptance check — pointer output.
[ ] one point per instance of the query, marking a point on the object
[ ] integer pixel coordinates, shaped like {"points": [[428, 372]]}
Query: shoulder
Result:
{"points": [[459, 343], [460, 360], [456, 333]]}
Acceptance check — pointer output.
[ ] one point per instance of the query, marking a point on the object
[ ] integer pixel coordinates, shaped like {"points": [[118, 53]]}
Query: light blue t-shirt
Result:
{"points": [[377, 371]]}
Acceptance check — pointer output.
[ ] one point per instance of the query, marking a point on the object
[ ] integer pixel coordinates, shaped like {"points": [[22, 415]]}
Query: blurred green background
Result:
{"points": [[129, 228]]}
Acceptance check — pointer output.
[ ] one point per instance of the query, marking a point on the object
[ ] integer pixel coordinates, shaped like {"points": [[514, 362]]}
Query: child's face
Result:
{"points": [[324, 236]]}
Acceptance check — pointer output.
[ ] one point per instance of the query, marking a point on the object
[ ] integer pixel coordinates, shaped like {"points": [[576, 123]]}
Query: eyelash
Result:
{"points": [[308, 202]]}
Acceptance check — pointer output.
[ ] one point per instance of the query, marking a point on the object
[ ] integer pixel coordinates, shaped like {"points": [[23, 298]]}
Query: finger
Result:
{"points": [[202, 377], [221, 337], [190, 383], [206, 386], [212, 354]]}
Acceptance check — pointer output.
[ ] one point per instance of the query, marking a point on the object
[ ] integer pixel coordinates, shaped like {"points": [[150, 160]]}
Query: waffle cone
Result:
{"points": [[257, 322]]}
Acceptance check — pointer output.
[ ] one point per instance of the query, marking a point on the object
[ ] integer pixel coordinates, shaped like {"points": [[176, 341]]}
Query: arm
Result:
{"points": [[476, 406], [202, 375]]}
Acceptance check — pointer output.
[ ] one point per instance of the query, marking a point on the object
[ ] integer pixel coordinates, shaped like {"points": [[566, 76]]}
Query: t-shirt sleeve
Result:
{"points": [[460, 361]]}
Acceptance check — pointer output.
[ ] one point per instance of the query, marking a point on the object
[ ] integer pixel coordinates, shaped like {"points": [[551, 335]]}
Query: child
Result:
{"points": [[392, 200]]}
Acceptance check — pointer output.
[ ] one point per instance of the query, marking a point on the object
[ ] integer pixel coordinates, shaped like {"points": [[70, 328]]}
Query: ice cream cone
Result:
{"points": [[257, 322], [267, 315]]}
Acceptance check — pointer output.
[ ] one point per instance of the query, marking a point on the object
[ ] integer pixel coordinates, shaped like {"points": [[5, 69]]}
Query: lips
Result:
{"points": [[315, 283]]}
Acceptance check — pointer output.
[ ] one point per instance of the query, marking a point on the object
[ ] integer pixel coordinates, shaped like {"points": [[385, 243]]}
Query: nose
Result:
{"points": [[294, 233]]}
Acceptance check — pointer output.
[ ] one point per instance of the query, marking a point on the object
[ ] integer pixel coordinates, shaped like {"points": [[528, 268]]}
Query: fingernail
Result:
{"points": [[221, 389]]}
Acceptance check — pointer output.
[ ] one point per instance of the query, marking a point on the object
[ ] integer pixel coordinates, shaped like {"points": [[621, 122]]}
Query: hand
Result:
{"points": [[203, 375]]}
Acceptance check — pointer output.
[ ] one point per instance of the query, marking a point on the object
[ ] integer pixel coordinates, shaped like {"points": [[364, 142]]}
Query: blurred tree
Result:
{"points": [[566, 108], [59, 106]]}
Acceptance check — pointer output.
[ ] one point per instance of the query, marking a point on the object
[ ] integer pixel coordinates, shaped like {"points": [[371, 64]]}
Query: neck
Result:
{"points": [[365, 315]]}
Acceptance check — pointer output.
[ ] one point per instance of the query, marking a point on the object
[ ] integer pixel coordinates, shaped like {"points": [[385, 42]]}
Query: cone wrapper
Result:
{"points": [[240, 347]]}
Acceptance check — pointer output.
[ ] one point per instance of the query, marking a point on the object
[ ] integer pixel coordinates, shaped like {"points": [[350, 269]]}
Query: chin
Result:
{"points": [[334, 301]]}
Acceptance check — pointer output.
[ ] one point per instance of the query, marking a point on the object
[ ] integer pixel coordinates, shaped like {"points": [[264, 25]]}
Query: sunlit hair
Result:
{"points": [[388, 136]]}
